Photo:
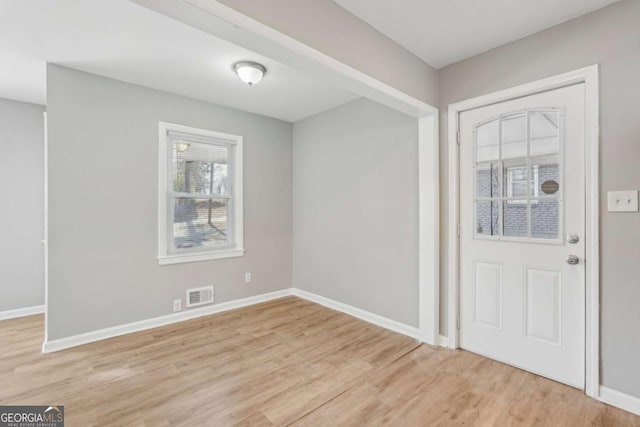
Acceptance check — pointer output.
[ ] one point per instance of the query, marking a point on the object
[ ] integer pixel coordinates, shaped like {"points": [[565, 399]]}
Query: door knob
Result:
{"points": [[573, 260], [573, 238]]}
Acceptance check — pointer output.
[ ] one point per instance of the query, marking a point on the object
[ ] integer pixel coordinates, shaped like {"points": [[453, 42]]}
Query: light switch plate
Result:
{"points": [[623, 201]]}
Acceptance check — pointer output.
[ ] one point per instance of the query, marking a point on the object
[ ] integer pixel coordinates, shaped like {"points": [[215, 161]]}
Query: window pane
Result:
{"points": [[519, 189], [545, 132], [515, 219], [487, 141], [545, 216], [487, 176], [514, 136], [548, 175], [200, 223], [515, 178], [200, 168], [487, 217]]}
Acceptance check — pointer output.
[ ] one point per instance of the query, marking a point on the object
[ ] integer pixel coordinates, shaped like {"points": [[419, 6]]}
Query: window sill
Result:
{"points": [[202, 256]]}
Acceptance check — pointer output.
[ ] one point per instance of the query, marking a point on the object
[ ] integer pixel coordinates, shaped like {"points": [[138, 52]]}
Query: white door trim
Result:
{"points": [[429, 229], [588, 76], [45, 238]]}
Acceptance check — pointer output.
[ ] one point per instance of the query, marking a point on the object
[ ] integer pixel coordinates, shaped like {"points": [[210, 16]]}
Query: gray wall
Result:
{"points": [[355, 221], [22, 196], [610, 37], [326, 26], [103, 171]]}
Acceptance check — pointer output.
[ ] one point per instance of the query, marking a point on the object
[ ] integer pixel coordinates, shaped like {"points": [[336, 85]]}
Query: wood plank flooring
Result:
{"points": [[285, 362]]}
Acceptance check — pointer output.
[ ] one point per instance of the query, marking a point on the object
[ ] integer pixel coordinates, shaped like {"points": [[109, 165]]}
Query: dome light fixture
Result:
{"points": [[250, 72], [182, 146]]}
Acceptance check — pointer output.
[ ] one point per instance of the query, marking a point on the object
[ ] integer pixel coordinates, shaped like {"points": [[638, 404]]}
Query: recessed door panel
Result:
{"points": [[488, 294], [543, 305]]}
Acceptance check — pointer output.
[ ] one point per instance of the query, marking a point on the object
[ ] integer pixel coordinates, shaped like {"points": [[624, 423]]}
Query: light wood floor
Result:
{"points": [[285, 362]]}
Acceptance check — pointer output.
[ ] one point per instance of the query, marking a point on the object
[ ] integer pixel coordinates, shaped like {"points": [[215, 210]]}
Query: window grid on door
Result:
{"points": [[518, 176]]}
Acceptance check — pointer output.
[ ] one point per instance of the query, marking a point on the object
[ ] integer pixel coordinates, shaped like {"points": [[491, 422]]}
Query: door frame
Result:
{"points": [[45, 237], [588, 76]]}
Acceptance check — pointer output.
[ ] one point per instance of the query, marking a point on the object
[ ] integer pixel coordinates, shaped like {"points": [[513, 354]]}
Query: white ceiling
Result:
{"points": [[124, 41], [442, 32]]}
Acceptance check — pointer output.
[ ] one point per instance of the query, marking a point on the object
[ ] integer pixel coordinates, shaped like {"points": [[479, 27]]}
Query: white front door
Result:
{"points": [[522, 230]]}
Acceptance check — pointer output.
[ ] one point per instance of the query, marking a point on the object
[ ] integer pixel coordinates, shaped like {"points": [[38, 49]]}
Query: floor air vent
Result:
{"points": [[199, 296]]}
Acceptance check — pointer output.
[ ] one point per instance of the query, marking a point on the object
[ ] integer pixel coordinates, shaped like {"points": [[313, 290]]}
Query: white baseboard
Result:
{"points": [[378, 320], [22, 312], [102, 334], [50, 346], [443, 341], [620, 400]]}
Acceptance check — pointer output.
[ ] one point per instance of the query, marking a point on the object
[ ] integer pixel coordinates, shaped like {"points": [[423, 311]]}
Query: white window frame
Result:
{"points": [[236, 249], [529, 180]]}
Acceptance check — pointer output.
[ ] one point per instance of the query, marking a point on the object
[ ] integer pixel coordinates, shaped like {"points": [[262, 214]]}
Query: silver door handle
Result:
{"points": [[573, 260], [573, 238]]}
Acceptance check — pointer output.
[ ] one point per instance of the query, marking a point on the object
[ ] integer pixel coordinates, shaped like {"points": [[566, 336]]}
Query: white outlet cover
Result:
{"points": [[247, 277], [622, 201], [177, 305]]}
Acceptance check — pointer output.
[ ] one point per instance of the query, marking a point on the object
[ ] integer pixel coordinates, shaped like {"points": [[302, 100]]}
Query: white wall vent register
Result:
{"points": [[199, 296]]}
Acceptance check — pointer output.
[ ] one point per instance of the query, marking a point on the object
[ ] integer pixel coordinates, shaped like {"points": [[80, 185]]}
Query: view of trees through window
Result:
{"points": [[201, 196]]}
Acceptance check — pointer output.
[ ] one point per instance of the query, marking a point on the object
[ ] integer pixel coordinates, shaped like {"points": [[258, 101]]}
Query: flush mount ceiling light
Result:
{"points": [[181, 146], [250, 72]]}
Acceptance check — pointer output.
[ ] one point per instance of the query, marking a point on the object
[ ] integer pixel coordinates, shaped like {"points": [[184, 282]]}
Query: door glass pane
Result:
{"points": [[548, 180], [487, 180], [487, 217], [545, 132], [487, 141], [200, 223], [515, 218], [514, 136], [515, 178], [518, 175], [545, 216]]}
